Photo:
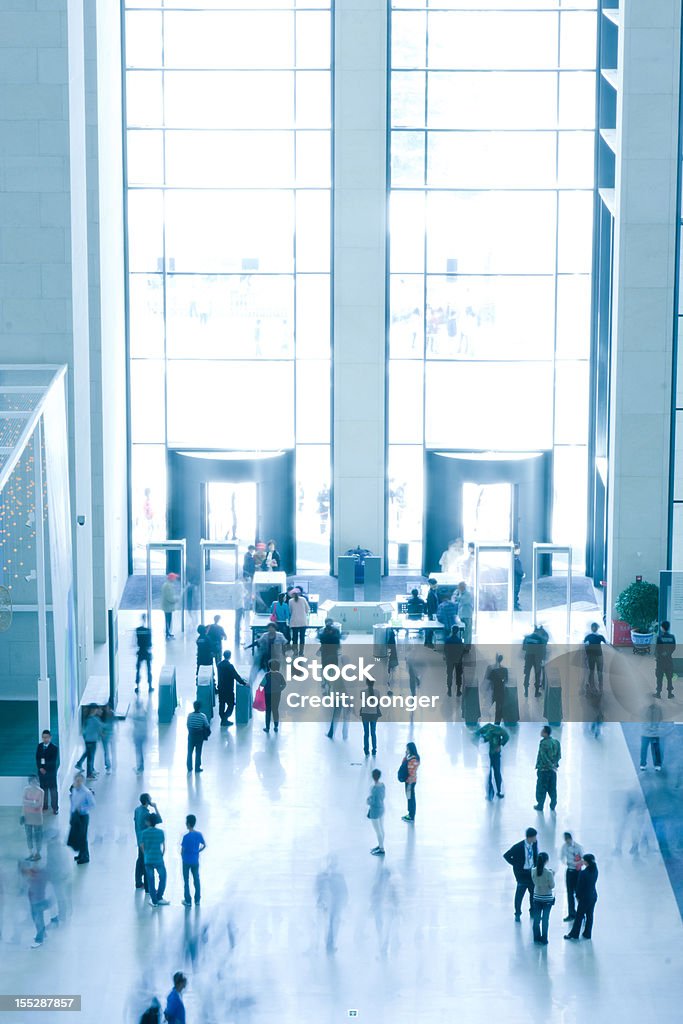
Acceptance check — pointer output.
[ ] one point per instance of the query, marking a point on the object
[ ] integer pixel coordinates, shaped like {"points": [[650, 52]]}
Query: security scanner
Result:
{"points": [[266, 588], [205, 549], [540, 549], [495, 589], [357, 616]]}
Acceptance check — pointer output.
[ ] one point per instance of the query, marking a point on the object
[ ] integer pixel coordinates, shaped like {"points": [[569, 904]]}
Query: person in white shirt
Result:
{"points": [[572, 856]]}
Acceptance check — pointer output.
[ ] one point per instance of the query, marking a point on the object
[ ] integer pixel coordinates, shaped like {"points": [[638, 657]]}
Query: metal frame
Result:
{"points": [[213, 545], [167, 545], [551, 549], [499, 546]]}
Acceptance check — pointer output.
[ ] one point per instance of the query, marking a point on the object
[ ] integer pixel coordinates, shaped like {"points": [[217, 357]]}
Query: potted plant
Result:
{"points": [[638, 605]]}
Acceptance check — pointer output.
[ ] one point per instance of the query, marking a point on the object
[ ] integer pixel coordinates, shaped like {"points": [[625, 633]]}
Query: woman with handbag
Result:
{"points": [[82, 802], [543, 899], [407, 774], [273, 684], [280, 614]]}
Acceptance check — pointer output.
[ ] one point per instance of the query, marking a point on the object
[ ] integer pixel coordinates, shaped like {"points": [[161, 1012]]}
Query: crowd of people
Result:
{"points": [[532, 868]]}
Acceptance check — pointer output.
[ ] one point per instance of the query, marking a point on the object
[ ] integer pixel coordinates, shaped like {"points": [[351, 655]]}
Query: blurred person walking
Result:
{"points": [[143, 638], [92, 734], [82, 801], [139, 727], [651, 737], [32, 817]]}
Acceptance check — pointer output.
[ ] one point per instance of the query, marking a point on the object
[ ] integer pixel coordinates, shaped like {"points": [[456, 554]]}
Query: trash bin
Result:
{"points": [[205, 690], [242, 704], [403, 551]]}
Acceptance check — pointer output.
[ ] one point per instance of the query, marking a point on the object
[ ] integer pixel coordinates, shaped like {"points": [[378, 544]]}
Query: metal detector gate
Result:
{"points": [[505, 546], [167, 545], [551, 549], [213, 545]]}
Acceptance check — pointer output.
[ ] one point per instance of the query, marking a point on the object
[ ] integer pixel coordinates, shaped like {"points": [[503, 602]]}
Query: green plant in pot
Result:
{"points": [[638, 605]]}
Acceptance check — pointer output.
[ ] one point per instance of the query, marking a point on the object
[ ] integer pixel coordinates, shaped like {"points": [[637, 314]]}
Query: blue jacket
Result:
{"points": [[175, 1009], [447, 614]]}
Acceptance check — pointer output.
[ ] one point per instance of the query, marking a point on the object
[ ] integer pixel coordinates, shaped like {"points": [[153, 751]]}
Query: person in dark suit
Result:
{"points": [[454, 651], [227, 677], [204, 648], [497, 676], [523, 857], [432, 604], [586, 897], [47, 763], [533, 648]]}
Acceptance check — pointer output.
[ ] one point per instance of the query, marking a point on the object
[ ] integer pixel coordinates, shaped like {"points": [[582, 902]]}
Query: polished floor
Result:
{"points": [[426, 934]]}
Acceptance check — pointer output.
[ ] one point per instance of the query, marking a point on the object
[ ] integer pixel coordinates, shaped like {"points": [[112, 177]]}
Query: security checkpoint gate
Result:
{"points": [[551, 549], [167, 545], [207, 546], [508, 548]]}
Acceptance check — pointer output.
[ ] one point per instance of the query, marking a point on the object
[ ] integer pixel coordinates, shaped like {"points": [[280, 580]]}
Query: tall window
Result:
{"points": [[491, 218], [228, 156]]}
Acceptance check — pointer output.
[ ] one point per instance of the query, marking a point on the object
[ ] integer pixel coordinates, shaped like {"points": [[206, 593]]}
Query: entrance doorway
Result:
{"points": [[487, 512], [231, 515]]}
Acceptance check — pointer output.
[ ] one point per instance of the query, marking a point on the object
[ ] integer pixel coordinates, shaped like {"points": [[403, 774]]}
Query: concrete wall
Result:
{"points": [[20, 660], [61, 258], [359, 274], [644, 268]]}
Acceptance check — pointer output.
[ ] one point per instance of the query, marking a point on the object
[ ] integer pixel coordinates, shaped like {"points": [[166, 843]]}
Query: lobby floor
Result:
{"points": [[425, 934]]}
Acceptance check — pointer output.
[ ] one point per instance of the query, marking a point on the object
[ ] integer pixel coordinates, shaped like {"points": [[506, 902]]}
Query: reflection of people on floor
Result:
{"points": [[332, 896]]}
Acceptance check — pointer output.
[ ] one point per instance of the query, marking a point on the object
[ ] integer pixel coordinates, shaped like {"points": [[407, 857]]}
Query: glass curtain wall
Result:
{"points": [[491, 222], [228, 186]]}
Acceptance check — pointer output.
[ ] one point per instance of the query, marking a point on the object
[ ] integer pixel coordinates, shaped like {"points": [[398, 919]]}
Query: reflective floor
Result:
{"points": [[425, 934]]}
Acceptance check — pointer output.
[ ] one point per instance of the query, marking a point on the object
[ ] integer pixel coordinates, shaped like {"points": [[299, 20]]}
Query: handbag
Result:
{"points": [[207, 732], [403, 772], [273, 617], [260, 700]]}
